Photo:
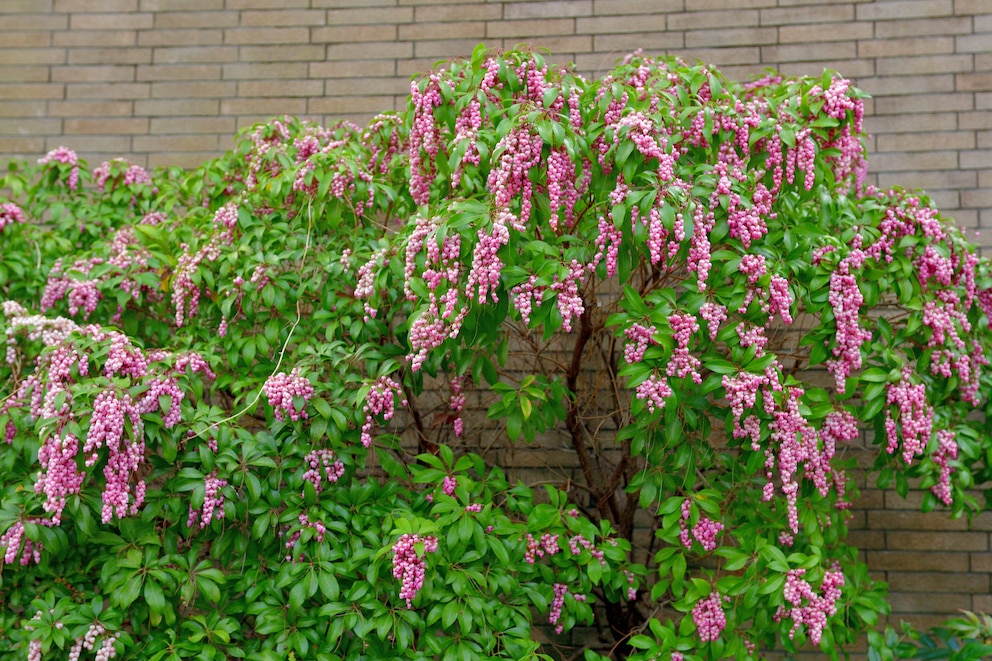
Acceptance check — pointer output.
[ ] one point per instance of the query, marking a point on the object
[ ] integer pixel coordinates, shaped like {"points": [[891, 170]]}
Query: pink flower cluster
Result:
{"points": [[59, 477], [682, 363], [213, 502], [914, 414], [282, 389], [321, 466], [408, 565], [88, 641], [10, 213], [320, 530], [655, 390], [133, 174], [709, 617], [638, 339], [947, 450], [536, 549], [817, 608], [554, 616], [65, 156], [705, 531], [714, 314], [456, 403], [380, 400], [845, 298]]}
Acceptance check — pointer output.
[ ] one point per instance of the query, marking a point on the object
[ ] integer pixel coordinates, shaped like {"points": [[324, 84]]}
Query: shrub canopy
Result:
{"points": [[243, 405]]}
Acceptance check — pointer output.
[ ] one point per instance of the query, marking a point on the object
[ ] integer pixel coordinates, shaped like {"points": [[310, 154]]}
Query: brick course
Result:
{"points": [[169, 81]]}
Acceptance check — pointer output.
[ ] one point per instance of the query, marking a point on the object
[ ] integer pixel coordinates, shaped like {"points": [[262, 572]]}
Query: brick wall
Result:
{"points": [[171, 81]]}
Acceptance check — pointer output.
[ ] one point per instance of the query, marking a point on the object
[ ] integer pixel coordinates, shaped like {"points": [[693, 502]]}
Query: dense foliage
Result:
{"points": [[274, 407]]}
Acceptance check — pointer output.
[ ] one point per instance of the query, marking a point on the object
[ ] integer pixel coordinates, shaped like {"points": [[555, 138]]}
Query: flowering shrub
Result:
{"points": [[242, 406]]}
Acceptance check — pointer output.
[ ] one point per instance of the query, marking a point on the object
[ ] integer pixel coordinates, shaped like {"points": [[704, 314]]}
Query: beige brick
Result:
{"points": [[354, 68], [443, 48], [24, 6], [346, 33], [457, 12], [105, 56], [899, 105], [721, 56], [731, 37], [24, 74], [981, 603], [917, 561], [29, 91], [337, 105], [369, 15], [282, 18], [249, 71], [97, 38], [979, 159], [21, 145], [650, 41], [826, 13], [711, 5], [22, 108], [840, 50], [116, 126], [902, 66], [111, 21], [866, 539], [533, 28], [849, 68], [371, 50], [85, 145], [280, 53], [913, 142], [548, 9], [977, 198], [93, 74], [914, 161], [983, 62], [189, 5], [26, 39], [928, 180], [937, 541], [261, 36], [911, 47], [903, 85], [172, 90], [22, 56], [263, 106], [976, 43], [712, 19], [196, 54], [800, 34], [962, 7], [24, 126], [627, 7], [975, 120], [923, 27], [912, 602], [171, 143], [974, 82], [885, 10], [267, 4], [186, 125], [187, 160], [155, 72], [366, 87], [107, 91], [558, 45], [425, 31], [69, 6], [283, 88], [19, 22], [89, 108], [173, 38], [985, 141], [196, 19], [981, 562], [176, 108], [913, 520], [929, 582], [983, 23]]}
